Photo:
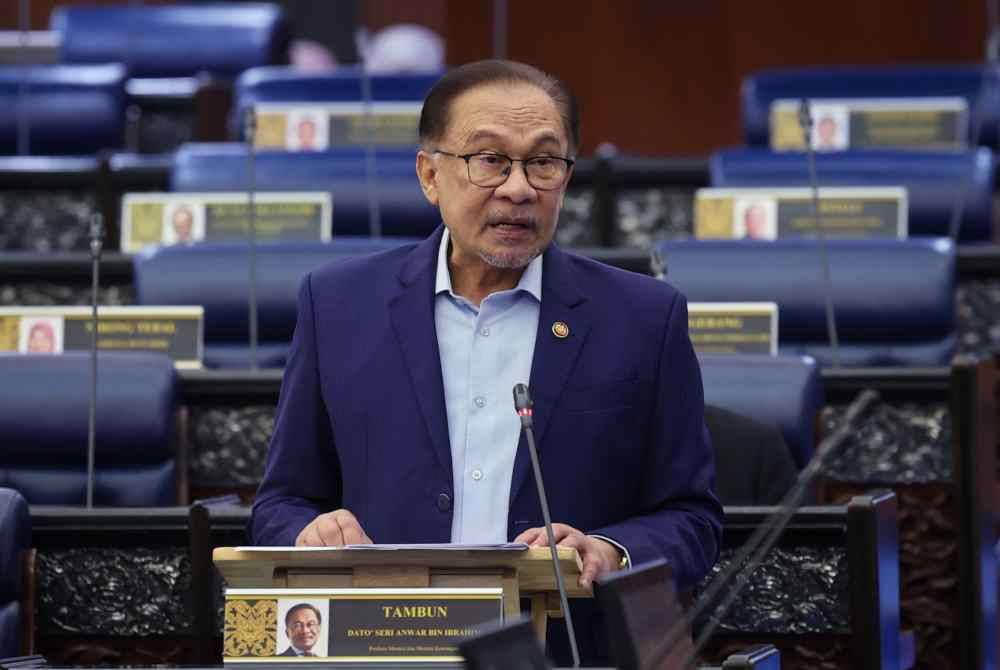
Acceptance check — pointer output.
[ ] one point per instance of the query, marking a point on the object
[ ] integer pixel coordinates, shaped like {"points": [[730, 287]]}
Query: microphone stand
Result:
{"points": [[96, 245], [23, 120], [250, 131], [374, 208], [523, 405]]}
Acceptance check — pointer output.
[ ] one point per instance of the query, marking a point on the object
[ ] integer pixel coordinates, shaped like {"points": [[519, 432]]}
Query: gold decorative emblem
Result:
{"points": [[251, 628], [560, 330]]}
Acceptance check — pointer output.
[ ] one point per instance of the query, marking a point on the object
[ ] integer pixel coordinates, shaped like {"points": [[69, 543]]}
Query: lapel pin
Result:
{"points": [[560, 330]]}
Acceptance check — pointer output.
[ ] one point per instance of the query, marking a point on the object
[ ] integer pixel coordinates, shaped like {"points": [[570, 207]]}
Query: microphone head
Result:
{"points": [[522, 399]]}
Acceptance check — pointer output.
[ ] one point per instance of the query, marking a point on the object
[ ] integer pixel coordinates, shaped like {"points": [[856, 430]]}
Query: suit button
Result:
{"points": [[444, 502]]}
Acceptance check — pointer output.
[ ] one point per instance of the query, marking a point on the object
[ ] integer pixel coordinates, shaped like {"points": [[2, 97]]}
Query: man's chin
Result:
{"points": [[509, 260]]}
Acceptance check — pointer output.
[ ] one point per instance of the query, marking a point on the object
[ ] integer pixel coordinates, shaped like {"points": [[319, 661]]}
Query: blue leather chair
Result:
{"points": [[404, 210], [15, 538], [70, 109], [183, 40], [934, 181], [894, 299], [283, 84], [44, 405], [783, 391], [215, 276], [979, 85]]}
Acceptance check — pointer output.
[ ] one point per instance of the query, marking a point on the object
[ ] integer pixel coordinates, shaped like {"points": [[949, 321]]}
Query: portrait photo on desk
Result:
{"points": [[308, 130], [302, 627], [183, 223], [40, 335], [831, 129], [755, 219]]}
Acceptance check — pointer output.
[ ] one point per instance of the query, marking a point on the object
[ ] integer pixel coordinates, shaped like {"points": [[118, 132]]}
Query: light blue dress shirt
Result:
{"points": [[485, 351]]}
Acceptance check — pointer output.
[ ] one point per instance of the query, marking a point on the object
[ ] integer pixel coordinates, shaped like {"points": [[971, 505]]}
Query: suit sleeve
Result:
{"points": [[302, 476], [679, 517]]}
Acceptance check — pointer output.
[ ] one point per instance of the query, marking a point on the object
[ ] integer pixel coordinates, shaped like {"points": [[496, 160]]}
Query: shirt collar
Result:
{"points": [[531, 278]]}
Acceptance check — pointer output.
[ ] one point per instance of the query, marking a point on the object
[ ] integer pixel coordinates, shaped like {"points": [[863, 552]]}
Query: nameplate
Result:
{"points": [[733, 327], [859, 123], [174, 331], [168, 219], [322, 126], [772, 213], [397, 625]]}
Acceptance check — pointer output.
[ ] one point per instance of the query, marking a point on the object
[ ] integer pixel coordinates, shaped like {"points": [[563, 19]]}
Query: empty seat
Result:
{"points": [[175, 40], [216, 276], [782, 391], [978, 85], [894, 299], [44, 406], [937, 183], [403, 208], [15, 538], [65, 109]]}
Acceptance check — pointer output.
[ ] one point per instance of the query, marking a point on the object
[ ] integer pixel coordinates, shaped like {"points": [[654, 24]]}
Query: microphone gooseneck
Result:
{"points": [[524, 407], [766, 535], [806, 123], [96, 246], [250, 132]]}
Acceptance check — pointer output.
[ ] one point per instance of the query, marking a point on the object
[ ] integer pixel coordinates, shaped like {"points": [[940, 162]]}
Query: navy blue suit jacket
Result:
{"points": [[619, 422]]}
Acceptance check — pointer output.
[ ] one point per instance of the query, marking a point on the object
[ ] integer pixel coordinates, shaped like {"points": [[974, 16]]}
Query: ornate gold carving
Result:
{"points": [[250, 628]]}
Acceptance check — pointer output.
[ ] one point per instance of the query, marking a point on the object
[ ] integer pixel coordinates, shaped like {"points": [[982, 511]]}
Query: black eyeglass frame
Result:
{"points": [[524, 161]]}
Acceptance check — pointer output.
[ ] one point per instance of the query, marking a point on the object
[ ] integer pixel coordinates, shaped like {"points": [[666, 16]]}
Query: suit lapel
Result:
{"points": [[554, 357], [412, 313]]}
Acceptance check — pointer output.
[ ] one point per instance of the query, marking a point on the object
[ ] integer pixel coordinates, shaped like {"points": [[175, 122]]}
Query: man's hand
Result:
{"points": [[599, 557], [333, 529]]}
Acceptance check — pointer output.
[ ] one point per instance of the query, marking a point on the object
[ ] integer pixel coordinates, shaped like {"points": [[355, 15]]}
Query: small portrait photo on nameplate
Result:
{"points": [[831, 127], [352, 625], [845, 212], [182, 219], [734, 327], [308, 129], [40, 335], [174, 331]]}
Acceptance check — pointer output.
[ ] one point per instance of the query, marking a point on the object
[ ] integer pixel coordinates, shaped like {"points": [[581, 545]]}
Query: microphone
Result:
{"points": [[23, 120], [523, 405], [765, 536], [374, 211], [96, 245], [250, 132], [806, 123]]}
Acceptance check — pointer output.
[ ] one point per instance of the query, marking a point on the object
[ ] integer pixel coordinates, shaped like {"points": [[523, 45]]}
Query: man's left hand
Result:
{"points": [[599, 557]]}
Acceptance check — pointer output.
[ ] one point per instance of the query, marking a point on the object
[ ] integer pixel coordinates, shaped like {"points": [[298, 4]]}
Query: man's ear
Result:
{"points": [[427, 174]]}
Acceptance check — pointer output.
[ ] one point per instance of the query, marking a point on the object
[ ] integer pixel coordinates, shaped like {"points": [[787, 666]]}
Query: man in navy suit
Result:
{"points": [[396, 422]]}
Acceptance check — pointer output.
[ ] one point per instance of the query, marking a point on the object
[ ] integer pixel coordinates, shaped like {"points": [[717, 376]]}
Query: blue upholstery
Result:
{"points": [[934, 181], [44, 405], [894, 299], [177, 40], [71, 109], [962, 81], [404, 209], [285, 84], [783, 391], [15, 537], [215, 276]]}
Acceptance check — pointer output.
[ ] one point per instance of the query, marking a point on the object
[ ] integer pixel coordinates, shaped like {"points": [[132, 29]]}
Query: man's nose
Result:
{"points": [[517, 188]]}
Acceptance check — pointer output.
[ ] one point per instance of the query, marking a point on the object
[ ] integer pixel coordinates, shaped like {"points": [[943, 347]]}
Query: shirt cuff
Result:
{"points": [[627, 562]]}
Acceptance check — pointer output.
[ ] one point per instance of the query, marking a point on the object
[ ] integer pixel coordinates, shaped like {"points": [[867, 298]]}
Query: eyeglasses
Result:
{"points": [[490, 170], [298, 625]]}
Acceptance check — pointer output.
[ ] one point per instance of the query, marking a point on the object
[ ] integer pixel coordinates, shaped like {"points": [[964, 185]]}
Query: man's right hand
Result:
{"points": [[333, 529]]}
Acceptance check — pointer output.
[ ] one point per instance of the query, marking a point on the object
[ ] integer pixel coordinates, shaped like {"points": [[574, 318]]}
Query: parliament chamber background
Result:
{"points": [[892, 565]]}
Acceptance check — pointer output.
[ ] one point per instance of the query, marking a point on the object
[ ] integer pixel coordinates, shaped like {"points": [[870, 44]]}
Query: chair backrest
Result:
{"points": [[783, 391], [44, 405], [175, 40], [894, 300], [937, 183], [215, 276], [289, 85], [66, 109], [402, 206], [15, 537], [961, 81]]}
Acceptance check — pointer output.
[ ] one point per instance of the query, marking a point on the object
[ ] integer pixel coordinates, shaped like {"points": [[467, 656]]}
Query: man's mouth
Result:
{"points": [[515, 224]]}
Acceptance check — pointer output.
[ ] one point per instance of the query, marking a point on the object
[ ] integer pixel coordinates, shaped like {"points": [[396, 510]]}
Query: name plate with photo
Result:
{"points": [[322, 126], [149, 219], [772, 213], [397, 625], [174, 331], [734, 327], [860, 123]]}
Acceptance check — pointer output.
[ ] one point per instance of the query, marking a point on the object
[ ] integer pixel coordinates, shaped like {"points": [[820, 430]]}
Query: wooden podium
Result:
{"points": [[520, 573]]}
